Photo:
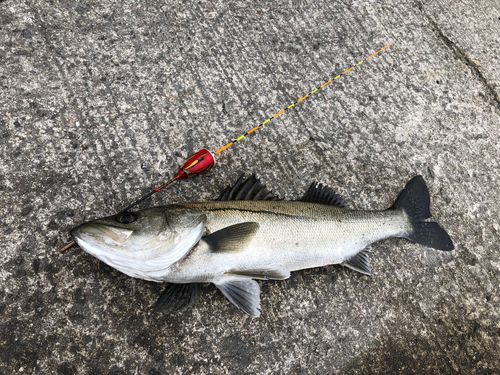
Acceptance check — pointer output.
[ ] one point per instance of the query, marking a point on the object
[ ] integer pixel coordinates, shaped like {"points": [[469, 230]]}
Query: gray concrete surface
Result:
{"points": [[102, 100]]}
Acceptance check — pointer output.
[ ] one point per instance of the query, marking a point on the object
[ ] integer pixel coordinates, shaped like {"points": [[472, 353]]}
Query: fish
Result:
{"points": [[249, 234]]}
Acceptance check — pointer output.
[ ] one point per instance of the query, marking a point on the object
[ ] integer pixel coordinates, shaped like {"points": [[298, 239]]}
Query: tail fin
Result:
{"points": [[415, 201]]}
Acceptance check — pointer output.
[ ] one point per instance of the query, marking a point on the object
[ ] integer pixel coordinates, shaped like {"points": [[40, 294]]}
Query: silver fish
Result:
{"points": [[248, 234]]}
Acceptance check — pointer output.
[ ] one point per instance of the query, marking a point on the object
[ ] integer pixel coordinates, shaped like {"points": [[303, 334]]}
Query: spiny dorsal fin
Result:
{"points": [[317, 193], [244, 294], [360, 262], [177, 297], [262, 274], [250, 189], [232, 239]]}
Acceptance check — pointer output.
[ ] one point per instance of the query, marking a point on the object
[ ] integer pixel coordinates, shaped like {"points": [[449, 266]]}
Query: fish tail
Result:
{"points": [[415, 201]]}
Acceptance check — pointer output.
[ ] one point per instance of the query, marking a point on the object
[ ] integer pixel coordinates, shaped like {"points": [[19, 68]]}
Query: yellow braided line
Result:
{"points": [[223, 148], [348, 70], [301, 99], [254, 129], [279, 113]]}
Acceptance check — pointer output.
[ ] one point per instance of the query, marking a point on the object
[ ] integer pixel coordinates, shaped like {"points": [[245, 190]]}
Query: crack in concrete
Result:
{"points": [[461, 55]]}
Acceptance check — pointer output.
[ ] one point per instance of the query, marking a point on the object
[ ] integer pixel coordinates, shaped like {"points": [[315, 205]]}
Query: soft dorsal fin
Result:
{"points": [[360, 262], [177, 297], [232, 239], [243, 293], [322, 194], [250, 189]]}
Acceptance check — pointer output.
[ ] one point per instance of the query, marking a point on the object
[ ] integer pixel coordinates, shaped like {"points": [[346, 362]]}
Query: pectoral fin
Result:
{"points": [[360, 262], [232, 239], [177, 297], [244, 294]]}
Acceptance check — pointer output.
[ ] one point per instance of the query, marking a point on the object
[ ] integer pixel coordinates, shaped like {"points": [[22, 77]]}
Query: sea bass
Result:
{"points": [[248, 234]]}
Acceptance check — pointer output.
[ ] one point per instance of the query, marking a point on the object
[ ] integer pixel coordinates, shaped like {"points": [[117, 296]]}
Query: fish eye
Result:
{"points": [[126, 218]]}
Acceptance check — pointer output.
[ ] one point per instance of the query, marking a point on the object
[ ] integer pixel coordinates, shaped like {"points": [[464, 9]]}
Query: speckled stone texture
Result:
{"points": [[102, 100]]}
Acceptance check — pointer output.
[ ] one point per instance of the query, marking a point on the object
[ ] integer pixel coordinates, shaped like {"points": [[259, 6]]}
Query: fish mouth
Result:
{"points": [[91, 237], [101, 241], [100, 231]]}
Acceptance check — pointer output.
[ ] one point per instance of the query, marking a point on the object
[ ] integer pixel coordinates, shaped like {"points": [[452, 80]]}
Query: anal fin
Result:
{"points": [[244, 294], [176, 298], [360, 262]]}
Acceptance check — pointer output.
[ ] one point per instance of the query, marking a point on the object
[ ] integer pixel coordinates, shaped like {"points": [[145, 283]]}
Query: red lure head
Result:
{"points": [[199, 163]]}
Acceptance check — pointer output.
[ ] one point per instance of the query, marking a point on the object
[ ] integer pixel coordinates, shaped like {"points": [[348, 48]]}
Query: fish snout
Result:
{"points": [[75, 233]]}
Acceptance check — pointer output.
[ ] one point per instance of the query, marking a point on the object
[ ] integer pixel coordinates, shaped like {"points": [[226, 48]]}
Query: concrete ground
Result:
{"points": [[102, 100]]}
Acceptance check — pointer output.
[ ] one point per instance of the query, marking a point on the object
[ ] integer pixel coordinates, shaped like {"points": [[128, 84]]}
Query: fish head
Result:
{"points": [[143, 243]]}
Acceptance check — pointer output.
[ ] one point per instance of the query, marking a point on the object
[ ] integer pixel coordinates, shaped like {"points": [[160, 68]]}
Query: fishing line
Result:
{"points": [[203, 160], [298, 101]]}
